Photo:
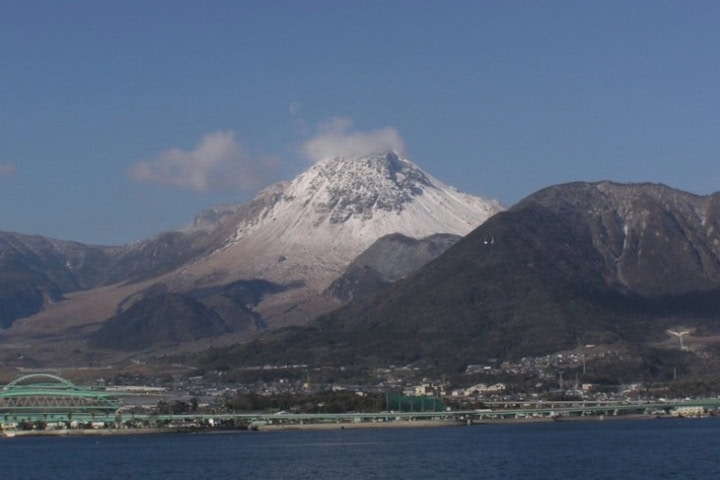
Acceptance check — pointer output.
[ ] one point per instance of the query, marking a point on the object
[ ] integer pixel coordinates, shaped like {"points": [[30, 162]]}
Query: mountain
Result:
{"points": [[155, 316], [313, 227], [302, 234], [37, 271], [574, 264], [158, 320], [286, 246], [386, 261]]}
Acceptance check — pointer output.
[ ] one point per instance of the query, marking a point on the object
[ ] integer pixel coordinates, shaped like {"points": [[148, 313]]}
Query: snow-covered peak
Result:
{"points": [[309, 229], [368, 196], [343, 188]]}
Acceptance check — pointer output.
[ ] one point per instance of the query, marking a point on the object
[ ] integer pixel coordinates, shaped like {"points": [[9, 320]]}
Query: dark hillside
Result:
{"points": [[158, 320], [573, 264]]}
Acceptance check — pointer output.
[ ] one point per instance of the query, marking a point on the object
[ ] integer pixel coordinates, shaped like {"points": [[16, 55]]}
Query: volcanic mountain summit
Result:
{"points": [[305, 232], [332, 212]]}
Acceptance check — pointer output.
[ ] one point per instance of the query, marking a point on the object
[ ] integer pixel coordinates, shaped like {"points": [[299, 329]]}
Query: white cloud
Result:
{"points": [[7, 169], [217, 163], [333, 140]]}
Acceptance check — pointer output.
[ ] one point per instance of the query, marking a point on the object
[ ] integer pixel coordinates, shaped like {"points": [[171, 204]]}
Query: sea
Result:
{"points": [[612, 449]]}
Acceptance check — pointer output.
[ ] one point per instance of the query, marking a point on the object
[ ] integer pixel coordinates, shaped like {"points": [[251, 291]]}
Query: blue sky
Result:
{"points": [[119, 120]]}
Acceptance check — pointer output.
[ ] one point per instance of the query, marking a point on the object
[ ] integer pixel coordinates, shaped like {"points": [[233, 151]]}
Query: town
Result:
{"points": [[550, 387]]}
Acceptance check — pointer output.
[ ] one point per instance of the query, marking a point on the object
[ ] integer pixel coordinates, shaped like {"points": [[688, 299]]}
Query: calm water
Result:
{"points": [[655, 449]]}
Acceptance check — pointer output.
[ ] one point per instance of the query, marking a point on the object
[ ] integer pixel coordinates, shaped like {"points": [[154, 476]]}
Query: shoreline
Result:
{"points": [[458, 423], [358, 425], [326, 426], [101, 432]]}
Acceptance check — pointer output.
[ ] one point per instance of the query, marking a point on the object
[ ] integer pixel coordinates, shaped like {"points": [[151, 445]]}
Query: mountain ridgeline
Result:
{"points": [[257, 266], [371, 261], [38, 271], [573, 264]]}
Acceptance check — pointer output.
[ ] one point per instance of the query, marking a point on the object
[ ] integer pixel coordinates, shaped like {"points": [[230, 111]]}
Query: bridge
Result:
{"points": [[43, 396]]}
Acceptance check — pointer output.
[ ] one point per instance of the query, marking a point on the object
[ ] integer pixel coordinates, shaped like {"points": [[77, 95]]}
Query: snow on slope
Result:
{"points": [[311, 228]]}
